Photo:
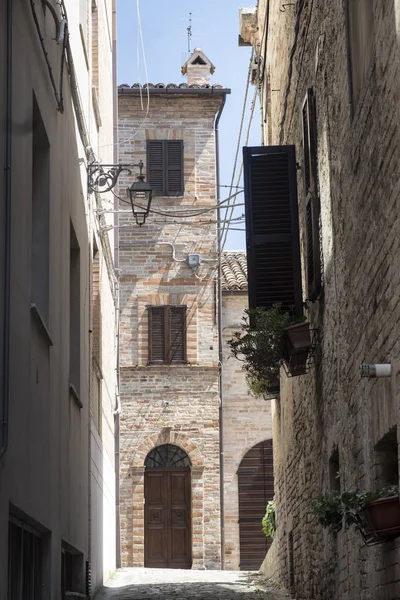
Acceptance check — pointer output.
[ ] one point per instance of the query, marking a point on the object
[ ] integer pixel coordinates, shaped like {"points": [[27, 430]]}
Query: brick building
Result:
{"points": [[329, 81], [247, 435], [168, 332]]}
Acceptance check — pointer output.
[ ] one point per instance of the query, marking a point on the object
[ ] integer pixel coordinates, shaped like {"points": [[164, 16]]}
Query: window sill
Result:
{"points": [[41, 323], [73, 392]]}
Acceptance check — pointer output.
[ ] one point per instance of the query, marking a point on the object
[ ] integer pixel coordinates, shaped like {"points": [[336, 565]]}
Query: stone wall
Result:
{"points": [[358, 314], [177, 404]]}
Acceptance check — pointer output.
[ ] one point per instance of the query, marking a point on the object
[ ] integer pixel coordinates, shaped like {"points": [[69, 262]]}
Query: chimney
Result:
{"points": [[198, 68]]}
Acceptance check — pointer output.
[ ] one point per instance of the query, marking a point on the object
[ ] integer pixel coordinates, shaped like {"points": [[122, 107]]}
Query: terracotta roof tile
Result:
{"points": [[234, 271], [170, 86]]}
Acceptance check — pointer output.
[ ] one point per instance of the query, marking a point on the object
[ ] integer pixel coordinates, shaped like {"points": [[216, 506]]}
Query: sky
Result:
{"points": [[215, 28]]}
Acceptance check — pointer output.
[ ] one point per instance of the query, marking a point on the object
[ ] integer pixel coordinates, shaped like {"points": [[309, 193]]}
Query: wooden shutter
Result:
{"points": [[155, 166], [272, 227], [255, 487], [310, 178], [156, 334], [174, 168], [177, 333]]}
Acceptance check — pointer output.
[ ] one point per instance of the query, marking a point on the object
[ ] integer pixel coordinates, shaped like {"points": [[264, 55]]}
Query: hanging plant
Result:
{"points": [[269, 519], [375, 514], [261, 344]]}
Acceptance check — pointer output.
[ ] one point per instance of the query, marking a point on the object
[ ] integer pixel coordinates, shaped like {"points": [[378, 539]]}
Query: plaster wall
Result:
{"points": [[44, 475]]}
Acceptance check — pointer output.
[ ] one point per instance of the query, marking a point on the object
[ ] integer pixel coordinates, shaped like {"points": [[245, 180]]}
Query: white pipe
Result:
{"points": [[375, 370]]}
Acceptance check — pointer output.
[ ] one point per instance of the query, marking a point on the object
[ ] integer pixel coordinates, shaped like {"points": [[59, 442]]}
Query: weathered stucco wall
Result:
{"points": [[45, 473]]}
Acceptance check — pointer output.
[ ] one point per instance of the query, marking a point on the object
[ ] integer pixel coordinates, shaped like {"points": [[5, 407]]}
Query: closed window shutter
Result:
{"points": [[272, 227], [310, 176], [174, 174], [177, 334], [156, 335], [155, 166]]}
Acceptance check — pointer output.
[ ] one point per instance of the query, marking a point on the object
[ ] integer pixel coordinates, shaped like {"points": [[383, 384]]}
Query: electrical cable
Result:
{"points": [[241, 125], [182, 214], [241, 168], [142, 124]]}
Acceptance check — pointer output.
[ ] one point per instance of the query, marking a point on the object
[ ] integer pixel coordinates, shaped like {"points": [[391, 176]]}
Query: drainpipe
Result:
{"points": [[7, 238], [118, 561], [219, 321]]}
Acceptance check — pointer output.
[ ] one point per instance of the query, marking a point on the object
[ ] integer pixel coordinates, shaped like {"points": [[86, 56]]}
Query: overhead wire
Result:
{"points": [[240, 127], [182, 214], [232, 208], [146, 116]]}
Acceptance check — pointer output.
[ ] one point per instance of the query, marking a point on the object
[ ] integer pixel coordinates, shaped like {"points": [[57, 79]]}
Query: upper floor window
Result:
{"points": [[165, 166], [360, 40], [167, 334], [310, 178]]}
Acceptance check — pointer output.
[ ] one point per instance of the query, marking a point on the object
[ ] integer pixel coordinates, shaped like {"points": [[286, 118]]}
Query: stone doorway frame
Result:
{"points": [[167, 436]]}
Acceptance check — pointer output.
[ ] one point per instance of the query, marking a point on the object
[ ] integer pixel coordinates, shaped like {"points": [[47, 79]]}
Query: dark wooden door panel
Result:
{"points": [[156, 517], [168, 542], [256, 487]]}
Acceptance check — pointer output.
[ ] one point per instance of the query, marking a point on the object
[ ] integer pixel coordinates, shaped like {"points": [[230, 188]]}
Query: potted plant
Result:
{"points": [[267, 337], [269, 520], [259, 345], [375, 514], [297, 347]]}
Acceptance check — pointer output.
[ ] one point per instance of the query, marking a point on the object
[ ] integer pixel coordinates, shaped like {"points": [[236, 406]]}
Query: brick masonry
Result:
{"points": [[247, 421], [358, 315], [177, 404]]}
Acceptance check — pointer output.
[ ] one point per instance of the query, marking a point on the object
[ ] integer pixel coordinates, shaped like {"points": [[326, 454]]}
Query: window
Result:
{"points": [[310, 178], [72, 572], [167, 334], [360, 27], [40, 215], [25, 561], [387, 460], [165, 166], [74, 314], [334, 471], [167, 455]]}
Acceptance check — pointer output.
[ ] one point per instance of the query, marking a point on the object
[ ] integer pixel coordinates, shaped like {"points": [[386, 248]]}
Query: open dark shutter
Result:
{"points": [[174, 171], [156, 334], [155, 166], [272, 227], [310, 177], [177, 333]]}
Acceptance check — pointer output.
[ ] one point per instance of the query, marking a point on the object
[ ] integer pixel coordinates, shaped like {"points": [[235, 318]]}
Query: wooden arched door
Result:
{"points": [[256, 487], [167, 497]]}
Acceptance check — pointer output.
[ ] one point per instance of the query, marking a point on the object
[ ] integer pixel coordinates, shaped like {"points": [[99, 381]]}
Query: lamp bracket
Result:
{"points": [[102, 177]]}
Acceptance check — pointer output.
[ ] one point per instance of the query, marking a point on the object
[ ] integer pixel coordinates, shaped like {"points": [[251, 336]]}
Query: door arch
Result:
{"points": [[167, 514], [256, 487]]}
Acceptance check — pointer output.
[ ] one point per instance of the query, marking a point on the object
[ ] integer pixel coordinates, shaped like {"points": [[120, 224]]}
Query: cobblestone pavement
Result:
{"points": [[170, 584]]}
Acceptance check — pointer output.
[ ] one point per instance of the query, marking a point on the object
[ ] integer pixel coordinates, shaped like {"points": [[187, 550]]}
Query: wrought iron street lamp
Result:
{"points": [[103, 178], [140, 195]]}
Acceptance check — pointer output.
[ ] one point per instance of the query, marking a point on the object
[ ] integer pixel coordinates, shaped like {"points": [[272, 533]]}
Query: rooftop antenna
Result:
{"points": [[189, 33]]}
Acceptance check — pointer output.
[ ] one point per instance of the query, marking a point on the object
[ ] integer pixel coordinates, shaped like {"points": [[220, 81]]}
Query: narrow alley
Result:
{"points": [[181, 584]]}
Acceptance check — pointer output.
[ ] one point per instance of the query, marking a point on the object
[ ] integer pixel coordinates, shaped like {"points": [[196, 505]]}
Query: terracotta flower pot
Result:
{"points": [[384, 517], [296, 348], [272, 390]]}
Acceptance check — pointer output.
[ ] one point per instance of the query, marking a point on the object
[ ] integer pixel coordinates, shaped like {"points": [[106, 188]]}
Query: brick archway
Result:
{"points": [[167, 436], [132, 522]]}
